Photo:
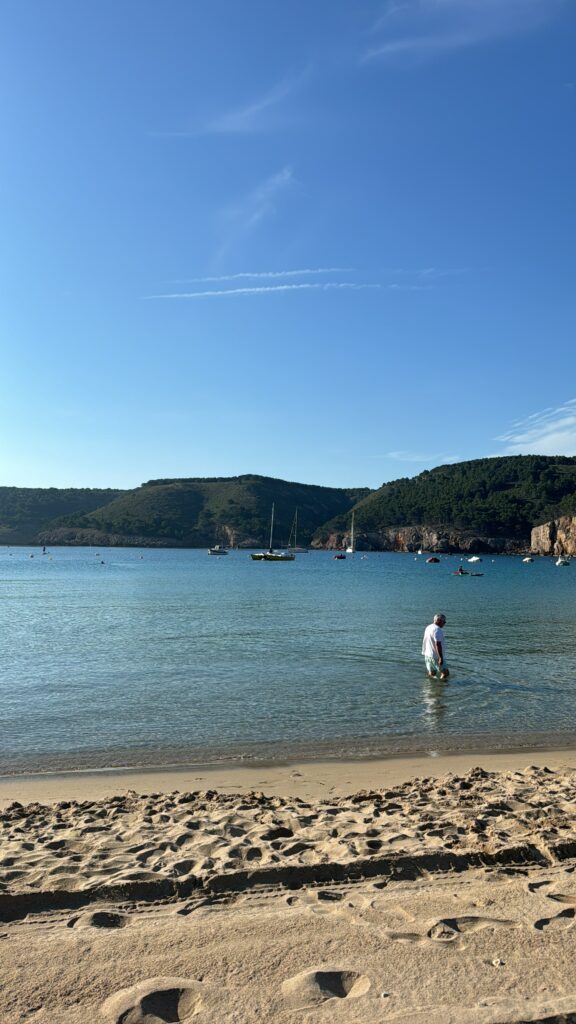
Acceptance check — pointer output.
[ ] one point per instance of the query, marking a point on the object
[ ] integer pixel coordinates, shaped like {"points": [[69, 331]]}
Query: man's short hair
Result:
{"points": [[439, 618]]}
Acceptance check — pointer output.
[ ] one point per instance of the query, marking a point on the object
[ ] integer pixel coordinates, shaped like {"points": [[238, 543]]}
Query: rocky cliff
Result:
{"points": [[425, 538], [558, 537]]}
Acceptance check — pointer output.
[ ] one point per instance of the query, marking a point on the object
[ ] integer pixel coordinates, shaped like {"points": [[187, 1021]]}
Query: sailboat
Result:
{"points": [[271, 555], [350, 549], [294, 533]]}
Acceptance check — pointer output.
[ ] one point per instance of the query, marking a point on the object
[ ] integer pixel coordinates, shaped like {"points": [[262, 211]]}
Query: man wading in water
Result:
{"points": [[433, 648]]}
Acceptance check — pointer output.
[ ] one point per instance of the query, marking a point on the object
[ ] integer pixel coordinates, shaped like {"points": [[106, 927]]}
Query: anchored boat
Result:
{"points": [[271, 555]]}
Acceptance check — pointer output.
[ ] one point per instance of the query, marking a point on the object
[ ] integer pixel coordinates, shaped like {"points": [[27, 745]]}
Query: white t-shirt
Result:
{"points": [[432, 633]]}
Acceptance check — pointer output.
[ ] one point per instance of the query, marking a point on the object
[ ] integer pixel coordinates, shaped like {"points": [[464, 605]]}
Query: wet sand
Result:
{"points": [[310, 779]]}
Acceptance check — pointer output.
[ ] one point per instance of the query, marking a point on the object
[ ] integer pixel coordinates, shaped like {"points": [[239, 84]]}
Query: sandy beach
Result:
{"points": [[413, 890]]}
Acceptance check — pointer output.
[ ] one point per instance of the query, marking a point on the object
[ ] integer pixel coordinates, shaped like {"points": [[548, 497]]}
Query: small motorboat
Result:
{"points": [[528, 559], [340, 556], [562, 560], [218, 549], [432, 559], [475, 558]]}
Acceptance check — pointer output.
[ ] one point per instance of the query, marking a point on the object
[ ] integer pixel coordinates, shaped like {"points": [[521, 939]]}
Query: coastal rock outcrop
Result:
{"points": [[425, 538], [557, 537]]}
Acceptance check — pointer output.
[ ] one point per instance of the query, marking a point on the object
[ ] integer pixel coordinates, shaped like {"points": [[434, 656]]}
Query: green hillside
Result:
{"points": [[499, 497], [25, 511], [196, 512]]}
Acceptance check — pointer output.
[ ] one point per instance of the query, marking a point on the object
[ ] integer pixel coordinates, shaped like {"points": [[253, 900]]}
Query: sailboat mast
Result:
{"points": [[350, 548], [271, 527]]}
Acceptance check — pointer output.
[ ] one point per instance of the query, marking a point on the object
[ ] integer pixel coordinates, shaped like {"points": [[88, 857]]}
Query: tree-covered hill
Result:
{"points": [[202, 511], [499, 497], [24, 511]]}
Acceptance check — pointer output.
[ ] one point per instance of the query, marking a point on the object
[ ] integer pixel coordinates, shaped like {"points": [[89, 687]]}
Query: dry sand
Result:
{"points": [[356, 892]]}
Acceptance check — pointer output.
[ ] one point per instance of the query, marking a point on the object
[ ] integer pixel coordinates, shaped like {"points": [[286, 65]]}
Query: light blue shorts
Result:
{"points": [[432, 666]]}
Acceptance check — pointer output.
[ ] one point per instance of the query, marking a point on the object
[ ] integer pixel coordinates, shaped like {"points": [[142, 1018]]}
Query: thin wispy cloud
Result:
{"points": [[255, 116], [420, 30], [267, 282], [550, 432], [430, 274], [259, 115], [264, 282], [261, 201], [268, 289], [396, 287], [268, 274], [421, 277], [243, 217], [436, 272]]}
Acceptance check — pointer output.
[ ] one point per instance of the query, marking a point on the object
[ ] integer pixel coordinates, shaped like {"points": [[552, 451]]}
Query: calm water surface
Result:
{"points": [[159, 656]]}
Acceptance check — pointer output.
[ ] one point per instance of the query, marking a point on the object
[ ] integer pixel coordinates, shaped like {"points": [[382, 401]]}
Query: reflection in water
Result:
{"points": [[434, 702]]}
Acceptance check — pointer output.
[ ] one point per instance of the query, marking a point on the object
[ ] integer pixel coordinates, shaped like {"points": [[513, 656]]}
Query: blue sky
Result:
{"points": [[331, 242]]}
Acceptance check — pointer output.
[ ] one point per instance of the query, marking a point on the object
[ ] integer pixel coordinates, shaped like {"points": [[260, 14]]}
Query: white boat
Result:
{"points": [[562, 560], [475, 558], [350, 548], [528, 559], [271, 555], [218, 549]]}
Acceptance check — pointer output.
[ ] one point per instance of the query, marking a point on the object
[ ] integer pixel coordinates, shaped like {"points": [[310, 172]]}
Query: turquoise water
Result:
{"points": [[163, 656]]}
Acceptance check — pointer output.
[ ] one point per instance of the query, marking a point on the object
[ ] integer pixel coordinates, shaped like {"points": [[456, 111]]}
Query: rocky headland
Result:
{"points": [[558, 537]]}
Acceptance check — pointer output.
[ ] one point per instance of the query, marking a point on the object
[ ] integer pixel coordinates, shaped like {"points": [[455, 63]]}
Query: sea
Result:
{"points": [[115, 657]]}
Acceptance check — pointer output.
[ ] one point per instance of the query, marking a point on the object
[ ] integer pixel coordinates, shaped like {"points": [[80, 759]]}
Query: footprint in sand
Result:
{"points": [[156, 1001], [313, 987], [321, 901], [443, 931], [562, 920], [451, 929], [328, 896], [99, 919], [534, 886]]}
